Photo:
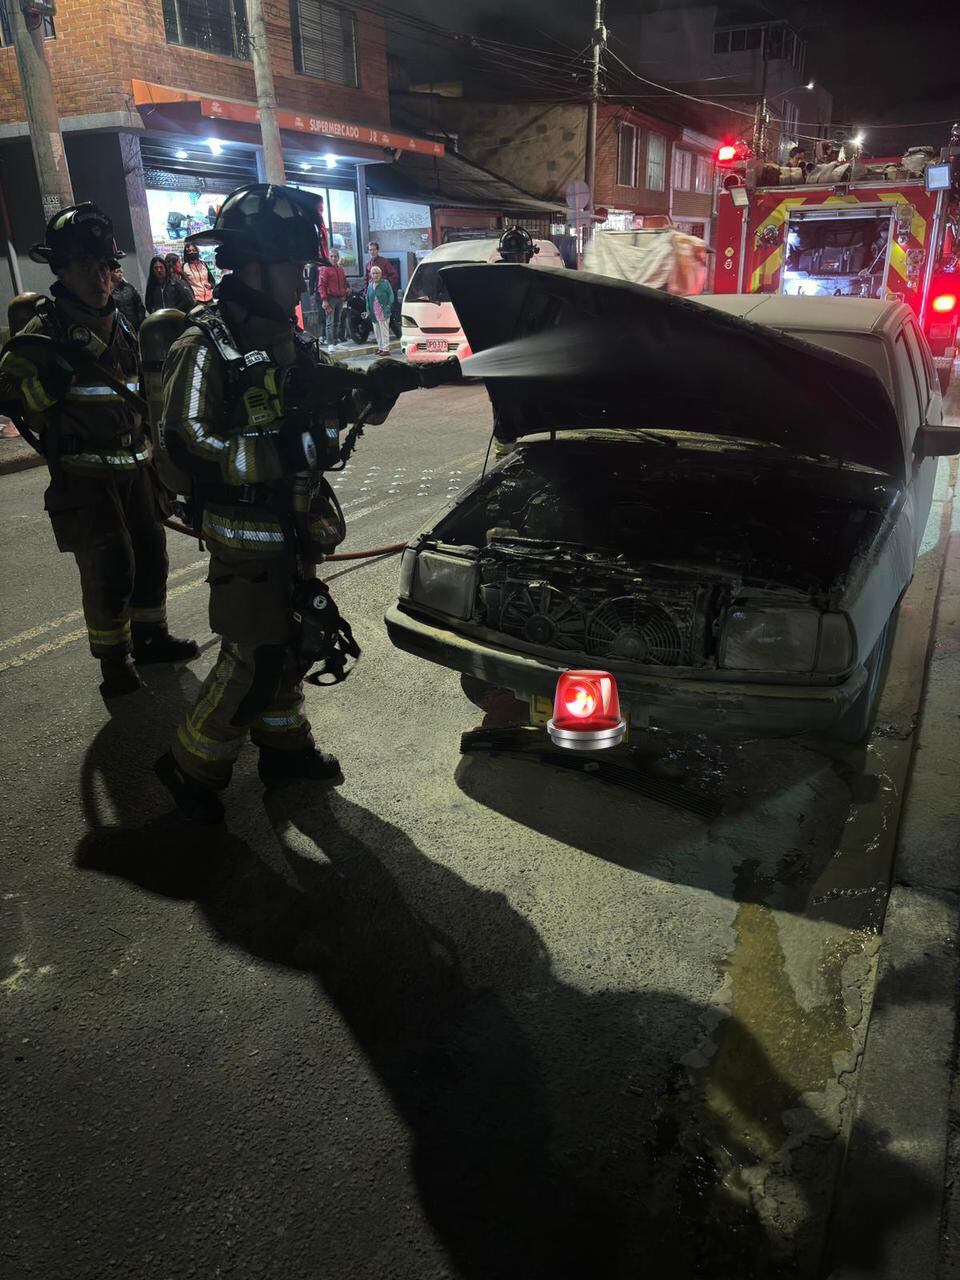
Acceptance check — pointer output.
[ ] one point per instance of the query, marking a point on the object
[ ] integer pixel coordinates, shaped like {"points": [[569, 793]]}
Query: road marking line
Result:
{"points": [[43, 627], [51, 646]]}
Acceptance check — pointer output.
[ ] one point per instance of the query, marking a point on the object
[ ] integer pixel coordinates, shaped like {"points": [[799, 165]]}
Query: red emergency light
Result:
{"points": [[944, 303], [727, 153], [586, 712]]}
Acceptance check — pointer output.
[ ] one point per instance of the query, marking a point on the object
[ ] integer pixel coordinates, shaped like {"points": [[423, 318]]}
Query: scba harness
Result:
{"points": [[257, 394]]}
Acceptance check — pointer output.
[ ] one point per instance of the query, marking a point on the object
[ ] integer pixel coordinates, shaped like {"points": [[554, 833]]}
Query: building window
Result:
{"points": [[627, 156], [215, 26], [682, 170], [656, 162], [737, 40], [703, 181], [6, 34], [324, 41]]}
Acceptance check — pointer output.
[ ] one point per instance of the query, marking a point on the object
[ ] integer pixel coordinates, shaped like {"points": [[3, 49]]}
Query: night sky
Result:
{"points": [[881, 60]]}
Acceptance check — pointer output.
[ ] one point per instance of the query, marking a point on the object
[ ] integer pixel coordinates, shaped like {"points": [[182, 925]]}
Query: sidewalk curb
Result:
{"points": [[19, 459], [891, 1196]]}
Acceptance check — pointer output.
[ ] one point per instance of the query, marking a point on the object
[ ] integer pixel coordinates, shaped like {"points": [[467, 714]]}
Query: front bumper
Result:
{"points": [[665, 702], [415, 353]]}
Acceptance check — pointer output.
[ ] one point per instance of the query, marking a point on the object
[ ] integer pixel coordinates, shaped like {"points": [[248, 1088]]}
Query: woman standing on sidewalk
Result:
{"points": [[379, 305], [197, 274]]}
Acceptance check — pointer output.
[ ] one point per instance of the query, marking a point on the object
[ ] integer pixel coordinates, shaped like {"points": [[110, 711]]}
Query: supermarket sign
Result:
{"points": [[145, 94]]}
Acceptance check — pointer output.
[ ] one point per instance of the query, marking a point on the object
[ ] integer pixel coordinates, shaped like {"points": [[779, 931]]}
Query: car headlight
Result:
{"points": [[447, 584], [407, 323], [771, 639]]}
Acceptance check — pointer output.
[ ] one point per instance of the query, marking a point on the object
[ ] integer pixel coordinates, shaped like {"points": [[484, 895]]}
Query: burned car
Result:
{"points": [[723, 512]]}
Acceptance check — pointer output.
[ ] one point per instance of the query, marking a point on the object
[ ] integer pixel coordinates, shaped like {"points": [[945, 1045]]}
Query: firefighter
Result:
{"points": [[251, 413], [516, 245], [67, 376]]}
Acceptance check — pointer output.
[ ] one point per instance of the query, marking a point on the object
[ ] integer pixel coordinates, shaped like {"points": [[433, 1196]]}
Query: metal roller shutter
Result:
{"points": [[327, 44]]}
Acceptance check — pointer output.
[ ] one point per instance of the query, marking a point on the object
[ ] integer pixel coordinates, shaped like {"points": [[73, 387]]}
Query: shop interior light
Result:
{"points": [[215, 145], [331, 160], [586, 712], [181, 154], [944, 303]]}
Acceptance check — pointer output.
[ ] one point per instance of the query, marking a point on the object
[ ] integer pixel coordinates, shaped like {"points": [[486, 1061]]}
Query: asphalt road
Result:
{"points": [[461, 1017]]}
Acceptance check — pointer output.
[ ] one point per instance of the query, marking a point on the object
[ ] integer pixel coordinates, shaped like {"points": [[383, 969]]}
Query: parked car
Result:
{"points": [[431, 328], [720, 501]]}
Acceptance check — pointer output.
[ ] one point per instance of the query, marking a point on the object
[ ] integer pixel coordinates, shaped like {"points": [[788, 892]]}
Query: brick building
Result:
{"points": [[157, 107], [646, 167]]}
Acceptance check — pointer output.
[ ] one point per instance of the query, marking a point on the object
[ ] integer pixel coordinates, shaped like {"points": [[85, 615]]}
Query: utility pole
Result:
{"points": [[266, 96], [26, 23], [760, 117], [599, 41]]}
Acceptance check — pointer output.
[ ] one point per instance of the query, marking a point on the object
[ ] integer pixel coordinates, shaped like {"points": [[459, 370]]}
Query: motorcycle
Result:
{"points": [[359, 325]]}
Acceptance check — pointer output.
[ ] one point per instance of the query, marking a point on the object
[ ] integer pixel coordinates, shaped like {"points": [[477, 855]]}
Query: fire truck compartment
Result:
{"points": [[837, 252]]}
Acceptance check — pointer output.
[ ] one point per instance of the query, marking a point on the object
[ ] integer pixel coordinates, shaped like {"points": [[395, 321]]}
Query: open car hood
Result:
{"points": [[600, 353]]}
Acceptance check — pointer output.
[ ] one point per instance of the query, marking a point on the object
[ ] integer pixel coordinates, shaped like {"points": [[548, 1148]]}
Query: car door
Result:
{"points": [[929, 408]]}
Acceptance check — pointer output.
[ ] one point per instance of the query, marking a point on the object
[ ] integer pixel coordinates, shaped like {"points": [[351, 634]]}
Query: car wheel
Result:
{"points": [[854, 725]]}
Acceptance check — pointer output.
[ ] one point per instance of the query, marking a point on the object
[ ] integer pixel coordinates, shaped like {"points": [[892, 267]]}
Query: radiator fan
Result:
{"points": [[540, 614], [636, 631]]}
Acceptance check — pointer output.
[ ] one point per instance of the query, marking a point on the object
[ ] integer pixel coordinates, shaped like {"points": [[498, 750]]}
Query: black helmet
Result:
{"points": [[265, 223], [516, 245], [75, 232]]}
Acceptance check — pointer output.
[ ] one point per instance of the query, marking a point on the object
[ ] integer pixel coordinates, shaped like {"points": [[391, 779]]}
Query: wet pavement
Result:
{"points": [[465, 1016]]}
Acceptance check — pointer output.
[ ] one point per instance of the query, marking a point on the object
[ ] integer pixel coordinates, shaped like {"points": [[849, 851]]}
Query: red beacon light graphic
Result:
{"points": [[586, 712]]}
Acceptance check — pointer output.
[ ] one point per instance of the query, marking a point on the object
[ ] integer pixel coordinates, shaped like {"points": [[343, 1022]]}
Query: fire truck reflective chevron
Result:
{"points": [[866, 238]]}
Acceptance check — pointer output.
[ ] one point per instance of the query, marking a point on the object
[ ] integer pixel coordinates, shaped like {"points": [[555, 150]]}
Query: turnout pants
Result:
{"points": [[111, 524], [255, 687]]}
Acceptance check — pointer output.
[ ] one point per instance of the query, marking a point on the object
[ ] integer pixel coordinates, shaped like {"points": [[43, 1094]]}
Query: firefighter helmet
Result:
{"points": [[266, 223], [516, 245], [81, 230]]}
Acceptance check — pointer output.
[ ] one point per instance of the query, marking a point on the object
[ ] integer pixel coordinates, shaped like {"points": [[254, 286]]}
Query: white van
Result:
{"points": [[431, 330]]}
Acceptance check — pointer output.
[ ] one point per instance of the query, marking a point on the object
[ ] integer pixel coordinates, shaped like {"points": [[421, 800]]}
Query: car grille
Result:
{"points": [[424, 329], [622, 619]]}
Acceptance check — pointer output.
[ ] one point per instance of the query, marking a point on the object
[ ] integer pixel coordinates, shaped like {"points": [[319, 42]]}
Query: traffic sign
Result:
{"points": [[578, 196]]}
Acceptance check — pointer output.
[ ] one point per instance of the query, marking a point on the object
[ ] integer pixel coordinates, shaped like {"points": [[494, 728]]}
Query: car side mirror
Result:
{"points": [[934, 440]]}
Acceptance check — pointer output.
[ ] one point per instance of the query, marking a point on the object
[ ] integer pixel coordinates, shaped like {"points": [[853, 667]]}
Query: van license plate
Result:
{"points": [[436, 344]]}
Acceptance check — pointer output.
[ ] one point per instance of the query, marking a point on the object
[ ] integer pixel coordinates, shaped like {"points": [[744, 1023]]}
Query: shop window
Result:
{"points": [[682, 170], [215, 26], [656, 162], [325, 41], [626, 155], [703, 180], [6, 34]]}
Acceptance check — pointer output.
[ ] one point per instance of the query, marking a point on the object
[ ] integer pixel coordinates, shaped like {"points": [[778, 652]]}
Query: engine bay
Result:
{"points": [[632, 551]]}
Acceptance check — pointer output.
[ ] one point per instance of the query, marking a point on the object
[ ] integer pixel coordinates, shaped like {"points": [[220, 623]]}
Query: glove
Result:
{"points": [[441, 373], [387, 379]]}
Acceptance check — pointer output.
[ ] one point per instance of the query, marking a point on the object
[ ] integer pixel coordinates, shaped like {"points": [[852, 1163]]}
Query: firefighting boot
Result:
{"points": [[119, 676], [195, 801], [277, 766], [156, 644]]}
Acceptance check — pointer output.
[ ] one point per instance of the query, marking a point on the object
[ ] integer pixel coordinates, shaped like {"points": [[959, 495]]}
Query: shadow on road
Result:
{"points": [[552, 1132]]}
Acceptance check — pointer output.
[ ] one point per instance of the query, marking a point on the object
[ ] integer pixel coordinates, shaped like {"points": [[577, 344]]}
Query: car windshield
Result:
{"points": [[427, 284]]}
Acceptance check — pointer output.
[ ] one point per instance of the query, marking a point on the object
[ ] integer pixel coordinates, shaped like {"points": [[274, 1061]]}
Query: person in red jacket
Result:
{"points": [[332, 290], [390, 272]]}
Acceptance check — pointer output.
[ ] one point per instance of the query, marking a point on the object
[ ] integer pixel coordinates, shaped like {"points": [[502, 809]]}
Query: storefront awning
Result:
{"points": [[446, 180], [180, 110]]}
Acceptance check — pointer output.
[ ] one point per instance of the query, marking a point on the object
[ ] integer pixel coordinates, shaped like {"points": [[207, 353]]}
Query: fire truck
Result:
{"points": [[882, 228]]}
